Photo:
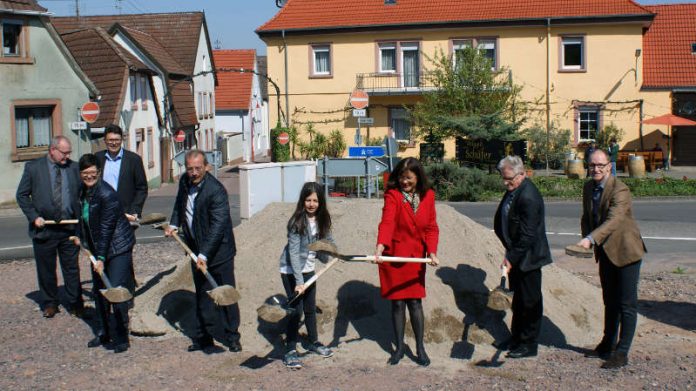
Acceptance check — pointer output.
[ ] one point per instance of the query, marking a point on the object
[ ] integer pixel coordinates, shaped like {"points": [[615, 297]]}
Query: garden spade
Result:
{"points": [[222, 295], [118, 294], [500, 298]]}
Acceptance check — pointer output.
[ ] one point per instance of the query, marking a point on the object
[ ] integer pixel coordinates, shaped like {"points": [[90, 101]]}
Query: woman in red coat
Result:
{"points": [[408, 229]]}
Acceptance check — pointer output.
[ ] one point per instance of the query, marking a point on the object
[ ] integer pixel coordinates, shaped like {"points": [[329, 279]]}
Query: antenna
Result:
{"points": [[217, 44], [280, 3], [119, 6], [77, 9]]}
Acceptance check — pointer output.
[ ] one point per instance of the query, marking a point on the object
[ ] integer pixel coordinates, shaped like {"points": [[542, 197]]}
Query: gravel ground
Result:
{"points": [[38, 353]]}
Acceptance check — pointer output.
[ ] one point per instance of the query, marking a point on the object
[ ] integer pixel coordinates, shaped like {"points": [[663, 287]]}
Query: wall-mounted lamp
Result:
{"points": [[638, 52]]}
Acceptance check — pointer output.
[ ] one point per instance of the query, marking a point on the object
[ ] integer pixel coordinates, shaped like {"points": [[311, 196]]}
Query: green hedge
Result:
{"points": [[454, 183]]}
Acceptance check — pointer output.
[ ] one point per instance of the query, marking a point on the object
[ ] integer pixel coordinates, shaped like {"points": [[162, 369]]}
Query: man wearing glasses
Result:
{"points": [[608, 225], [48, 194], [124, 171], [519, 224]]}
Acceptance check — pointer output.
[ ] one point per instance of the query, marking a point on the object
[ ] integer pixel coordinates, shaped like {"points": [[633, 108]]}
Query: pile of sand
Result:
{"points": [[354, 317]]}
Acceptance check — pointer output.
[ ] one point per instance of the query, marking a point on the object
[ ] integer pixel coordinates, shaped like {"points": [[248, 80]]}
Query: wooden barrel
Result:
{"points": [[636, 167], [575, 169]]}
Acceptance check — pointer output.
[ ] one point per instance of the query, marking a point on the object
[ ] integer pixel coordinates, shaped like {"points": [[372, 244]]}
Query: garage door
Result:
{"points": [[684, 146]]}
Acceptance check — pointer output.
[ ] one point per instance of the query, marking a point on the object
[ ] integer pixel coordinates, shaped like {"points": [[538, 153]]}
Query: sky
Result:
{"points": [[231, 23]]}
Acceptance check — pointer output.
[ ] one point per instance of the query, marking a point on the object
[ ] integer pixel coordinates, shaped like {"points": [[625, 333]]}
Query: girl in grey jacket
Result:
{"points": [[310, 222]]}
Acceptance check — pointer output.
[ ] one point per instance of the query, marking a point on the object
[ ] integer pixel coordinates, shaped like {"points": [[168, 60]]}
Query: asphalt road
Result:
{"points": [[669, 227]]}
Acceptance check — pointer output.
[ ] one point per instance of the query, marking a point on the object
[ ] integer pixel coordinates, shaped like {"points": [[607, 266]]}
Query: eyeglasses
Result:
{"points": [[600, 166], [510, 179], [64, 153], [114, 140]]}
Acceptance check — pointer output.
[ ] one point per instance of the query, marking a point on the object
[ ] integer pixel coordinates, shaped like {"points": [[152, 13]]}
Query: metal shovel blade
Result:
{"points": [[500, 299], [152, 218], [274, 312], [579, 252], [118, 294], [324, 246], [224, 295]]}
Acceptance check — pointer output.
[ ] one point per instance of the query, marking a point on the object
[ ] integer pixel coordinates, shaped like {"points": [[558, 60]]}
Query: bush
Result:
{"points": [[559, 144], [557, 187], [608, 133], [280, 152], [454, 183], [336, 144]]}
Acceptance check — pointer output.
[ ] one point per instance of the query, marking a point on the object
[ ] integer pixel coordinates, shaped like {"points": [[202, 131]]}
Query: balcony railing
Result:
{"points": [[394, 83]]}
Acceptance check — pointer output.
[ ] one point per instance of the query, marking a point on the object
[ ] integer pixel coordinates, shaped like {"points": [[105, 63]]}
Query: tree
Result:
{"points": [[470, 99]]}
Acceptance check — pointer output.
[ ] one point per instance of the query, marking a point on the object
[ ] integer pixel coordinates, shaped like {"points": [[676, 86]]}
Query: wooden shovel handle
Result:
{"points": [[372, 258], [101, 274], [314, 279], [62, 222], [194, 259]]}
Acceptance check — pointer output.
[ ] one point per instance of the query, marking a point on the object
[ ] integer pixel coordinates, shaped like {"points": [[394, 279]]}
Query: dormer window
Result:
{"points": [[388, 2], [693, 48]]}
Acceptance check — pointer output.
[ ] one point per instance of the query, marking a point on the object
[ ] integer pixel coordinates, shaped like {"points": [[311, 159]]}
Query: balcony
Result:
{"points": [[394, 83]]}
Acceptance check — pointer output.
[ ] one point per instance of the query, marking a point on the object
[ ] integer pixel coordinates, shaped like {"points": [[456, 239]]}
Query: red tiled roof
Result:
{"points": [[318, 14], [184, 109], [178, 33], [21, 5], [153, 48], [667, 58], [107, 65], [234, 89]]}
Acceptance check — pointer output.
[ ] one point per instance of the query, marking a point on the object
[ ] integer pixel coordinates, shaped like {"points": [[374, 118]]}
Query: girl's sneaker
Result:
{"points": [[320, 349], [292, 360]]}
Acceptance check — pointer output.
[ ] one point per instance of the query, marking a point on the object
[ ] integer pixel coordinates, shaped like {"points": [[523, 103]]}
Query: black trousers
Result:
{"points": [[620, 295], [45, 252], [118, 269], [306, 304], [207, 313], [527, 306]]}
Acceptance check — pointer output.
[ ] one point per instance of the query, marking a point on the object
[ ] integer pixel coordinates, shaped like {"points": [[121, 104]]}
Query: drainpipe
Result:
{"points": [[548, 90], [287, 102], [640, 125]]}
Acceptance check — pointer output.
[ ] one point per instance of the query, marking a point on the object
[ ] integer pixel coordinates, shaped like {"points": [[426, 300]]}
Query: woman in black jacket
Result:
{"points": [[105, 231]]}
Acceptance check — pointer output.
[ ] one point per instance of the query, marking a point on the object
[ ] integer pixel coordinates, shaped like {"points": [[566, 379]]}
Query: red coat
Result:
{"points": [[405, 234]]}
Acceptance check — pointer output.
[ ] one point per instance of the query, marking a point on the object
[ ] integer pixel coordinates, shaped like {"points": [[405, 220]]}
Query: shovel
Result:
{"points": [[222, 295], [331, 249], [274, 313], [500, 298], [118, 294], [578, 251], [150, 218], [61, 222]]}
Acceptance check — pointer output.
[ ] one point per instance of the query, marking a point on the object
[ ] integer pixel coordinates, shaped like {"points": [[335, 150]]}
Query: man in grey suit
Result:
{"points": [[49, 190]]}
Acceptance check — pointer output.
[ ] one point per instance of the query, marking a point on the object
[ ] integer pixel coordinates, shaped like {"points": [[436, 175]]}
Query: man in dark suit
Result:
{"points": [[202, 213], [608, 225], [519, 224], [49, 190], [124, 171]]}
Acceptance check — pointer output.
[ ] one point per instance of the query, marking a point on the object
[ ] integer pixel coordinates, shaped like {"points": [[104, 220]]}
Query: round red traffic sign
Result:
{"points": [[284, 138], [359, 99], [90, 112], [180, 136]]}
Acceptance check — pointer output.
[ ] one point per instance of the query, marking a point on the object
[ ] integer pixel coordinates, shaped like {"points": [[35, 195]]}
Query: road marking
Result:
{"points": [[677, 239]]}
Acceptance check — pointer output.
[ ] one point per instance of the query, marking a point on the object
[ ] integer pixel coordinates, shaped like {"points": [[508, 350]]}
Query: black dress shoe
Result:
{"points": [[79, 312], [396, 357], [523, 351], [234, 346], [422, 359], [100, 340], [508, 344], [617, 360], [122, 347], [50, 312], [201, 344], [602, 350]]}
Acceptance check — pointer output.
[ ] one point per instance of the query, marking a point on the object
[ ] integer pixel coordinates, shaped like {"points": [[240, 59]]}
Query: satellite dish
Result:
{"points": [[280, 3]]}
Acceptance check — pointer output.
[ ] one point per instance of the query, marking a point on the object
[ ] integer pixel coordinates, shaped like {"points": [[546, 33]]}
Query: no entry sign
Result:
{"points": [[90, 112], [180, 136], [359, 99], [284, 138]]}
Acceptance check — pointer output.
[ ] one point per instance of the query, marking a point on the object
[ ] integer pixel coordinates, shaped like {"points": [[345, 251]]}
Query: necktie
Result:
{"points": [[596, 197], [190, 203], [57, 193]]}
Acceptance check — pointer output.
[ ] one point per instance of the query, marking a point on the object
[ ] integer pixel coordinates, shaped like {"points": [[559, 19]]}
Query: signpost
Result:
{"points": [[374, 151], [359, 100], [367, 167], [366, 121], [283, 138], [78, 125]]}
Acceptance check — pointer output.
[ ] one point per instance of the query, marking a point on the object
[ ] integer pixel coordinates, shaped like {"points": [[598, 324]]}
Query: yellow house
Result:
{"points": [[580, 64]]}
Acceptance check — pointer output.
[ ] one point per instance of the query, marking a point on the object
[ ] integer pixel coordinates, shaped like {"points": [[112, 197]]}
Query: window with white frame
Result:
{"points": [[588, 123], [133, 85], [400, 124], [321, 60], [387, 57], [12, 38], [458, 47], [573, 53], [487, 48], [143, 91]]}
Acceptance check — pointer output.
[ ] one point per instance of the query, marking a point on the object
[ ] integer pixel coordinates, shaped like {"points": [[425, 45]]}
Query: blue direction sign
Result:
{"points": [[373, 151]]}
